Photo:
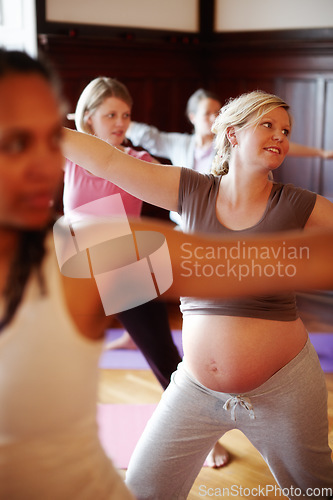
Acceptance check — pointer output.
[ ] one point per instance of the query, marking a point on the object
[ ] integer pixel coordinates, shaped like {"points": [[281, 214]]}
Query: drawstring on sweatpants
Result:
{"points": [[234, 401]]}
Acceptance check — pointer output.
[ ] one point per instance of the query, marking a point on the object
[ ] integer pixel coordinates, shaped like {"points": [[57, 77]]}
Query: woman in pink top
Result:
{"points": [[104, 110]]}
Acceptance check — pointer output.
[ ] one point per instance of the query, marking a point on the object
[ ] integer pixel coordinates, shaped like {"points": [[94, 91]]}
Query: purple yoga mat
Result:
{"points": [[130, 359], [120, 427], [134, 360], [323, 343]]}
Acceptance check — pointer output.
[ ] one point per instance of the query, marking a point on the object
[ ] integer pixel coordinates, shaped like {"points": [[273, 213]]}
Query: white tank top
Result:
{"points": [[49, 445]]}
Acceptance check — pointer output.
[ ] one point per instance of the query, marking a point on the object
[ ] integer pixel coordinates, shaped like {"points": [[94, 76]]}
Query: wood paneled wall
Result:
{"points": [[162, 73], [159, 76]]}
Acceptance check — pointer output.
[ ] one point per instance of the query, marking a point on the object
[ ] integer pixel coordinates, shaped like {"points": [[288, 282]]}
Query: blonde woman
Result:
{"points": [[196, 150], [104, 110], [248, 364]]}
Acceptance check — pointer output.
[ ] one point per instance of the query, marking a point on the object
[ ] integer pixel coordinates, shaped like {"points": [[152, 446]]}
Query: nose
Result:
{"points": [[279, 135], [43, 163], [120, 121]]}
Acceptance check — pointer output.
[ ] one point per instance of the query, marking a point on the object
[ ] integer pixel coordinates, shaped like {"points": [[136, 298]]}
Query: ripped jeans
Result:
{"points": [[285, 419]]}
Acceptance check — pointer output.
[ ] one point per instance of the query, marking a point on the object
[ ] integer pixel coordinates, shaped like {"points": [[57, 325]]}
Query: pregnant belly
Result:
{"points": [[236, 355]]}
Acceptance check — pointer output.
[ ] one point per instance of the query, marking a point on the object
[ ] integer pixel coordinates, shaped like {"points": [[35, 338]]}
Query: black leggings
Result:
{"points": [[148, 325]]}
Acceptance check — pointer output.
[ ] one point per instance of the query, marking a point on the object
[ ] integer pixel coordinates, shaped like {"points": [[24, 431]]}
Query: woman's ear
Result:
{"points": [[87, 118], [231, 134], [191, 117]]}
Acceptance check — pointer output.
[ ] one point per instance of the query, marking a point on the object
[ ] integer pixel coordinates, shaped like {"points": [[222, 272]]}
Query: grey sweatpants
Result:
{"points": [[285, 419]]}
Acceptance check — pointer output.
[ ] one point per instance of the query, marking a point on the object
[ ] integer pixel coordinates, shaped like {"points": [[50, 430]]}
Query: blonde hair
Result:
{"points": [[241, 112], [94, 95]]}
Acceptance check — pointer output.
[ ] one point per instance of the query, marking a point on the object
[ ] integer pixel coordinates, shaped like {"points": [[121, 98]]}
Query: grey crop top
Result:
{"points": [[288, 208]]}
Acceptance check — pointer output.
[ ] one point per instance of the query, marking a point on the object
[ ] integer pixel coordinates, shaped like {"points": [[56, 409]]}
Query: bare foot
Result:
{"points": [[218, 456], [123, 342]]}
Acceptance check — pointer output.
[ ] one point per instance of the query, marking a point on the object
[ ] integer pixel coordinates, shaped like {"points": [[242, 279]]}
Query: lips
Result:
{"points": [[274, 149]]}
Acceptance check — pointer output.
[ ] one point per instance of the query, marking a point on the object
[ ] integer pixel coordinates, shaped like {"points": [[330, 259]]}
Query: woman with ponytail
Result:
{"points": [[248, 363]]}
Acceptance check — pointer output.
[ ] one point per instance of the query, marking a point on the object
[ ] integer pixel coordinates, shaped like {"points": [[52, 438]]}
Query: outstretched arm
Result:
{"points": [[149, 137], [300, 150], [155, 184], [208, 266]]}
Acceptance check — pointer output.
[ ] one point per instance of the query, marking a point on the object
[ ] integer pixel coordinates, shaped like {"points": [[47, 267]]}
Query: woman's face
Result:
{"points": [[266, 143], [204, 117], [30, 151], [111, 120]]}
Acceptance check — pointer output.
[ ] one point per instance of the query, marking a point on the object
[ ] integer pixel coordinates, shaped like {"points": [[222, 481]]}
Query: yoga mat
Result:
{"points": [[133, 359], [120, 427], [323, 344], [128, 359]]}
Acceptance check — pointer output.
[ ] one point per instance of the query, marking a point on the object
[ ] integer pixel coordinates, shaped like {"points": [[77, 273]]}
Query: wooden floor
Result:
{"points": [[246, 470]]}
